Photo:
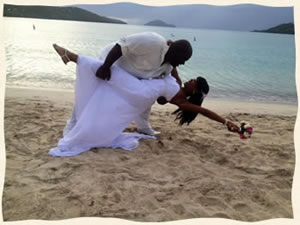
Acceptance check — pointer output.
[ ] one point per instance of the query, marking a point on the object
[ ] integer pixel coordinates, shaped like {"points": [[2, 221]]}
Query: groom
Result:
{"points": [[146, 56]]}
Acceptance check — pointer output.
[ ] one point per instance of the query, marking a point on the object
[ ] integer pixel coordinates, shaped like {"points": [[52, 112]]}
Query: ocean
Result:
{"points": [[241, 66]]}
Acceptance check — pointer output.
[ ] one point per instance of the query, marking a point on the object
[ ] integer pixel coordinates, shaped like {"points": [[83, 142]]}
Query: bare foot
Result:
{"points": [[63, 53]]}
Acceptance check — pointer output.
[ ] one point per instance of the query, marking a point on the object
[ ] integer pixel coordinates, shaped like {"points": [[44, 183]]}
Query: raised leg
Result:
{"points": [[65, 54]]}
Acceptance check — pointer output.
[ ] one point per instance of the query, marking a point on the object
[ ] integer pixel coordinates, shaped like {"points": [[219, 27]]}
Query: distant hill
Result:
{"points": [[57, 13], [242, 17], [159, 23], [287, 28]]}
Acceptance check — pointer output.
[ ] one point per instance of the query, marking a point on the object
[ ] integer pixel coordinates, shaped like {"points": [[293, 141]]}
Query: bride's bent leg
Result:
{"points": [[85, 86], [65, 54], [66, 57], [70, 123], [86, 82]]}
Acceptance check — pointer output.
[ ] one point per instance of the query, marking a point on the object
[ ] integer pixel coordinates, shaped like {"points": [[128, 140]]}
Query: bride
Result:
{"points": [[103, 109]]}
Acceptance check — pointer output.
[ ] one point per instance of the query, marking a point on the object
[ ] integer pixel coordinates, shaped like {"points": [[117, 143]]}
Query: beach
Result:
{"points": [[196, 171]]}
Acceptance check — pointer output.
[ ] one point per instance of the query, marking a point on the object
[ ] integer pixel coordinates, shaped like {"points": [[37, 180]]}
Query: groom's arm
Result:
{"points": [[175, 74], [104, 71]]}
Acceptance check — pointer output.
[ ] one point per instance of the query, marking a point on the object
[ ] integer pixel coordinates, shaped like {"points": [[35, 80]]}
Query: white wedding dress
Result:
{"points": [[103, 109]]}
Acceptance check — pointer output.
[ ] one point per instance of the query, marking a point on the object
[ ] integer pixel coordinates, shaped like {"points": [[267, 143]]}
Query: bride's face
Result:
{"points": [[190, 86]]}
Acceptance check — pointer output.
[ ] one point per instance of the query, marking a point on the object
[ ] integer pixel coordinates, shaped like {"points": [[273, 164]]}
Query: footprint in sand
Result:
{"points": [[211, 202], [241, 207], [178, 209]]}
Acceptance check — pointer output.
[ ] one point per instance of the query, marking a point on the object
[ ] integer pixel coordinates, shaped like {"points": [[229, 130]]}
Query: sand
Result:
{"points": [[188, 172]]}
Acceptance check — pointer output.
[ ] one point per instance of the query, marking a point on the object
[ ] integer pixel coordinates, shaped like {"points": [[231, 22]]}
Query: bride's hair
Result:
{"points": [[197, 98]]}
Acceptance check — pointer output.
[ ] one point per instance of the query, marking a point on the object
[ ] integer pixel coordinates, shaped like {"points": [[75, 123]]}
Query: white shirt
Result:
{"points": [[142, 55], [119, 101]]}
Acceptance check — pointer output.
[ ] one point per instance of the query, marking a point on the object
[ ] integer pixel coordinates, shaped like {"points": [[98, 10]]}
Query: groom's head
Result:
{"points": [[179, 52]]}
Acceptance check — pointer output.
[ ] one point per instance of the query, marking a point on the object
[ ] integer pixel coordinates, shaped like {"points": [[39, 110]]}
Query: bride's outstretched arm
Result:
{"points": [[185, 105]]}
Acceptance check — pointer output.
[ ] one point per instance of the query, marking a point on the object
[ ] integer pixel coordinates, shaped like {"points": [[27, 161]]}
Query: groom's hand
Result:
{"points": [[103, 72]]}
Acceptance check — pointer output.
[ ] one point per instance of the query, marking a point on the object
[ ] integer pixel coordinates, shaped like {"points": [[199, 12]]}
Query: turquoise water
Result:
{"points": [[238, 65]]}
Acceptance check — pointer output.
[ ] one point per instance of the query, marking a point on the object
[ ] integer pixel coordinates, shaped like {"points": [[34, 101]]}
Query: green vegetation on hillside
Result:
{"points": [[159, 23], [57, 13], [287, 28]]}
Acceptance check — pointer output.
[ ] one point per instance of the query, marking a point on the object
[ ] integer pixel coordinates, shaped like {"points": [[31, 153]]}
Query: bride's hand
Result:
{"points": [[232, 127]]}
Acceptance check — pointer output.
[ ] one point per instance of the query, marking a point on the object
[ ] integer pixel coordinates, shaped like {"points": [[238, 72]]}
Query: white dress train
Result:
{"points": [[103, 109]]}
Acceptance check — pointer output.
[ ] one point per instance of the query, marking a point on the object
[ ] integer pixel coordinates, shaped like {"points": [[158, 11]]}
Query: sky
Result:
{"points": [[179, 2], [156, 2]]}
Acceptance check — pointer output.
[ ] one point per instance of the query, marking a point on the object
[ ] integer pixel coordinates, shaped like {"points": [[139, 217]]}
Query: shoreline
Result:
{"points": [[222, 106]]}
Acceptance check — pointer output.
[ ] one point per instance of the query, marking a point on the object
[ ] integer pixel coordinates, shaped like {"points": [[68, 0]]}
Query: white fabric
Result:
{"points": [[142, 55], [138, 49], [103, 109], [133, 47], [70, 123], [105, 50], [142, 120]]}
